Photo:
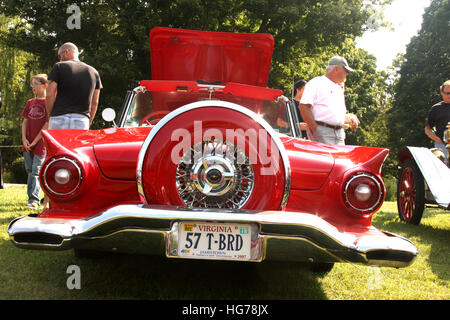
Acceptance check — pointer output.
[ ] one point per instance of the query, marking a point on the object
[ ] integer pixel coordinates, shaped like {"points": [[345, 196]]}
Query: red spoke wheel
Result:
{"points": [[411, 193]]}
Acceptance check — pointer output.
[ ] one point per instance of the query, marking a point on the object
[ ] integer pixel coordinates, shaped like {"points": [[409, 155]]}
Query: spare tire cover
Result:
{"points": [[214, 154]]}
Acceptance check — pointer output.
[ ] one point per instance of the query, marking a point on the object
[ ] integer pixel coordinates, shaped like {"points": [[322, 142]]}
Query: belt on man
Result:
{"points": [[320, 123]]}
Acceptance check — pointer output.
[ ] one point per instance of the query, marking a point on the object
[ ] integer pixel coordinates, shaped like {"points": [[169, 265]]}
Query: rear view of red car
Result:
{"points": [[206, 162]]}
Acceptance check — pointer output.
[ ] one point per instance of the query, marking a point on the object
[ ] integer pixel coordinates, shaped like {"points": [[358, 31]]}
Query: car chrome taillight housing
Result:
{"points": [[62, 176], [363, 193]]}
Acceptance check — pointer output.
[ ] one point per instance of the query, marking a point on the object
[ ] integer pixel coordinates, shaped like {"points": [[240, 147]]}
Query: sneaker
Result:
{"points": [[32, 205]]}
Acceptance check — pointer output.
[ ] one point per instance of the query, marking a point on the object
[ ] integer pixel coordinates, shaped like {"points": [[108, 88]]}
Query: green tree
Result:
{"points": [[365, 92], [114, 34], [365, 89], [16, 68], [424, 68]]}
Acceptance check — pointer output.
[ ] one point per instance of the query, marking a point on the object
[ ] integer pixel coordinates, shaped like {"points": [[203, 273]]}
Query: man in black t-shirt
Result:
{"points": [[438, 118], [73, 91]]}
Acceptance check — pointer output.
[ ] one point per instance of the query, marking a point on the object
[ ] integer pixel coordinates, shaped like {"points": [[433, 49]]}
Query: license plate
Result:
{"points": [[221, 241]]}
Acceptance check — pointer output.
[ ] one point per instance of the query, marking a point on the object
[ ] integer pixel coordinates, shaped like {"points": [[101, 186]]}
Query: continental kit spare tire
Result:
{"points": [[214, 154]]}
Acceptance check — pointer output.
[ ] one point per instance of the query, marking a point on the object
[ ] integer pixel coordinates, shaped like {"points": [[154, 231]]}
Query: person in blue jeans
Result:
{"points": [[35, 120]]}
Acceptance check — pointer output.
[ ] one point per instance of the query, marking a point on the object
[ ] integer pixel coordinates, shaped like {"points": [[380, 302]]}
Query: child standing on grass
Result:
{"points": [[35, 120]]}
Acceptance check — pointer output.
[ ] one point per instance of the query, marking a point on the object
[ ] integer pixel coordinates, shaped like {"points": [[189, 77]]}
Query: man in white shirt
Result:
{"points": [[323, 105]]}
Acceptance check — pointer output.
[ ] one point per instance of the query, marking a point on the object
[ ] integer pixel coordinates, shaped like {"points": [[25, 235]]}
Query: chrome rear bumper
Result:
{"points": [[288, 236]]}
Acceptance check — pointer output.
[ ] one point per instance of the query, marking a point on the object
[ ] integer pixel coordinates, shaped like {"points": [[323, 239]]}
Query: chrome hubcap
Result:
{"points": [[214, 174]]}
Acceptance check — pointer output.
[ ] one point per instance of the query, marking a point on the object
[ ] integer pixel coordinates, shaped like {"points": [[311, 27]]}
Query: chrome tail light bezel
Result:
{"points": [[376, 201], [46, 179]]}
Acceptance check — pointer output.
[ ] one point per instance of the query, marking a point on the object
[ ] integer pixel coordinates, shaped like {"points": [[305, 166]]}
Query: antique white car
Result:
{"points": [[423, 181]]}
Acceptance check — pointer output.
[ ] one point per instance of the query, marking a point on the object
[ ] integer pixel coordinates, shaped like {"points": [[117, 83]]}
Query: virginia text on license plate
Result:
{"points": [[222, 241]]}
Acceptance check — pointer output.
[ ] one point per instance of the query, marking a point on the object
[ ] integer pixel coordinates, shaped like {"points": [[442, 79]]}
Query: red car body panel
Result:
{"points": [[181, 54], [116, 150]]}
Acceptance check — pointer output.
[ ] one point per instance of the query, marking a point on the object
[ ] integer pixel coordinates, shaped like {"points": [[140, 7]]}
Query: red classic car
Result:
{"points": [[206, 162]]}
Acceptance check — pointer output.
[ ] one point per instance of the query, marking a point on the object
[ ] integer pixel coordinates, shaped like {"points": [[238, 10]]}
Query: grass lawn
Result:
{"points": [[30, 274]]}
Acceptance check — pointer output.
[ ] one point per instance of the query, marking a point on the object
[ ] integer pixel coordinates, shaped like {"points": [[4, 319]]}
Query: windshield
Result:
{"points": [[146, 108]]}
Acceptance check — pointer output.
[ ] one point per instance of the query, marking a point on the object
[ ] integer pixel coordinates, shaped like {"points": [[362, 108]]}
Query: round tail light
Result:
{"points": [[62, 176], [363, 193]]}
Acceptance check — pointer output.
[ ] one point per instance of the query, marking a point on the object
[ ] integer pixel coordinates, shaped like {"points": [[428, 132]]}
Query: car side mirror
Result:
{"points": [[109, 115]]}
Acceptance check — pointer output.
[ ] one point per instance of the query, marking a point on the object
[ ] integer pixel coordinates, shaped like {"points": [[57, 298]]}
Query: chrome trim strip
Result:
{"points": [[129, 99], [289, 229], [138, 89], [224, 104], [291, 117]]}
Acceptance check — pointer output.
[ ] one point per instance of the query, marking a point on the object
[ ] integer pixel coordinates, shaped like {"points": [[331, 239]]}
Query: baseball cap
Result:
{"points": [[340, 61]]}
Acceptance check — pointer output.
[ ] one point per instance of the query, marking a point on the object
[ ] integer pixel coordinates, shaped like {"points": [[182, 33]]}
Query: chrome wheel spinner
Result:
{"points": [[214, 174]]}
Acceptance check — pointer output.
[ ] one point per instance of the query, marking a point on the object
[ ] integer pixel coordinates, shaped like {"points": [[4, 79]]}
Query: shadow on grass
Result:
{"points": [[31, 274], [436, 237], [160, 278]]}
